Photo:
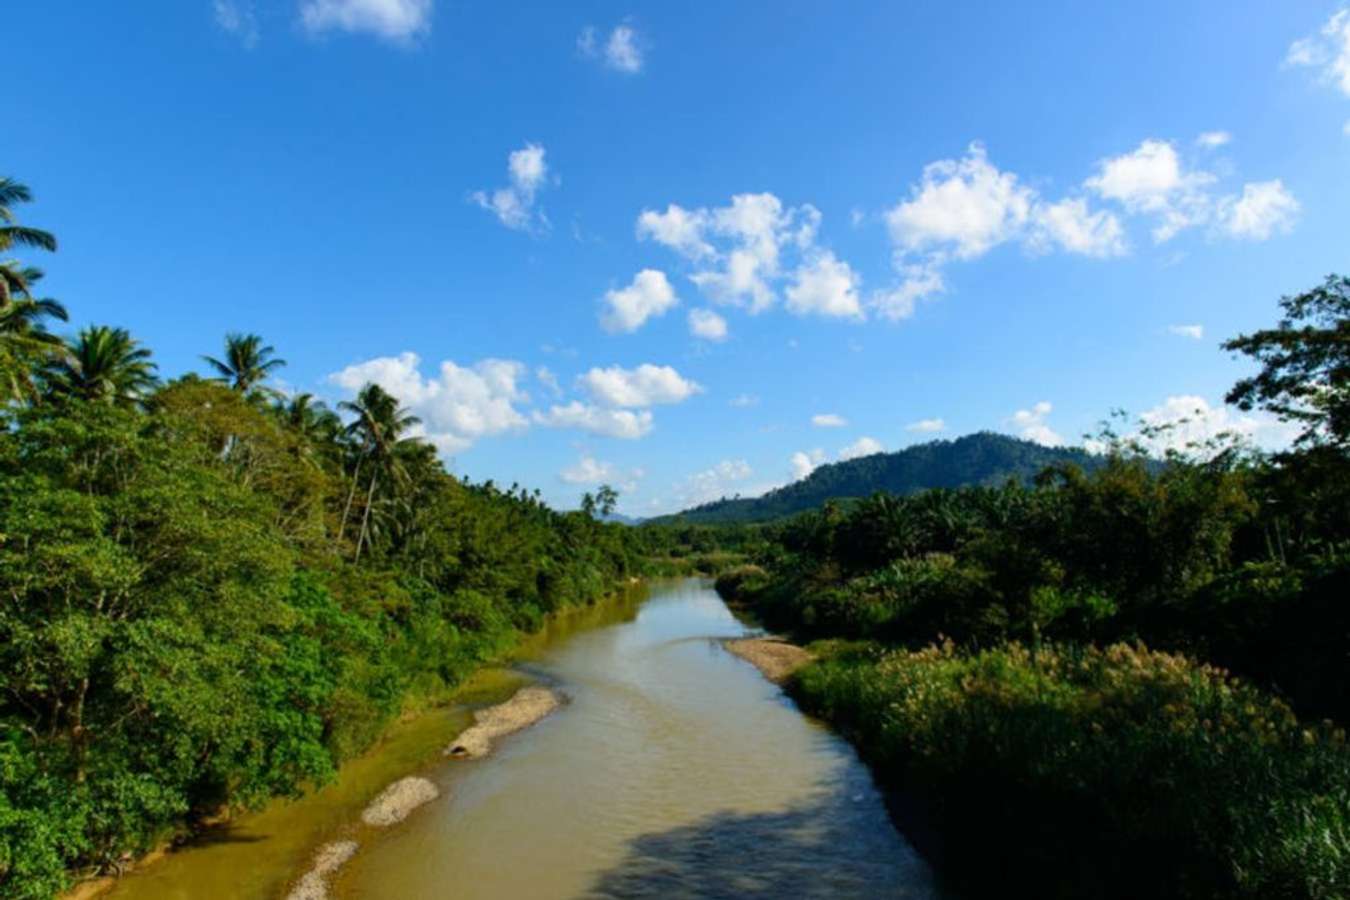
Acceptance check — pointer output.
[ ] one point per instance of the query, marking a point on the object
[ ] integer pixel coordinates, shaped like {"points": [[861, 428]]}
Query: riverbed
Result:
{"points": [[672, 769]]}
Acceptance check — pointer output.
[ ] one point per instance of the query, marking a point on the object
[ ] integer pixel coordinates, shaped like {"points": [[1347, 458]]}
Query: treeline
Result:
{"points": [[211, 594], [1124, 683]]}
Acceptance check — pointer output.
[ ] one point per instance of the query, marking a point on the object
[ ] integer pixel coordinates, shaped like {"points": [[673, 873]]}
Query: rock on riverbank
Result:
{"points": [[314, 886], [527, 706], [398, 800]]}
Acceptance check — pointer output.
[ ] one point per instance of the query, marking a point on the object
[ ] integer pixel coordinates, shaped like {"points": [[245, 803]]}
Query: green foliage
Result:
{"points": [[1078, 772]]}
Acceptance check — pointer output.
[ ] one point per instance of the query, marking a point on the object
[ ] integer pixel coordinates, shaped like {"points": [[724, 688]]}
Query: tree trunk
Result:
{"points": [[342, 529], [365, 517]]}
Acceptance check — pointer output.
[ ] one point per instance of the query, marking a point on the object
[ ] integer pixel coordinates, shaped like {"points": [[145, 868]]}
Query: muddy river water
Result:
{"points": [[674, 770]]}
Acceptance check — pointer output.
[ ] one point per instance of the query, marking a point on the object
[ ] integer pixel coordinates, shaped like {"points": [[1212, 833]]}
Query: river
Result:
{"points": [[674, 769]]}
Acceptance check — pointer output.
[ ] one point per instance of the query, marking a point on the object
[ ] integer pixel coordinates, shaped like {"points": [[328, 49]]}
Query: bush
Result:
{"points": [[1079, 772]]}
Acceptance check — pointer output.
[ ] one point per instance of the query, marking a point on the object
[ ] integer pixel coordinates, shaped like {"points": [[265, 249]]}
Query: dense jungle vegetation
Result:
{"points": [[1132, 682], [211, 594]]}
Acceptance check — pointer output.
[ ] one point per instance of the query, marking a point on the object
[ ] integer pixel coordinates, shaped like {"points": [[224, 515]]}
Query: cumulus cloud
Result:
{"points": [[646, 385], [738, 249], [457, 406], [708, 325], [1187, 423], [1214, 139], [825, 286], [927, 426], [625, 424], [621, 50], [1151, 179], [1194, 332], [804, 462], [394, 20], [744, 401], [590, 471], [713, 484], [548, 379], [1031, 425], [627, 309], [514, 205], [237, 17], [828, 420], [1071, 226], [1262, 210], [1327, 52], [863, 446]]}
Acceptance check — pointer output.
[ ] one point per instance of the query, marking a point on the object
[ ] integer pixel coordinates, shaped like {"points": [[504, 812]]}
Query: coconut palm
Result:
{"points": [[103, 364], [378, 425], [248, 363], [26, 344], [313, 423], [15, 278]]}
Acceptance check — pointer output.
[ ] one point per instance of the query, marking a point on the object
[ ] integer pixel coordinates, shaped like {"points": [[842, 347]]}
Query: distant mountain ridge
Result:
{"points": [[983, 458]]}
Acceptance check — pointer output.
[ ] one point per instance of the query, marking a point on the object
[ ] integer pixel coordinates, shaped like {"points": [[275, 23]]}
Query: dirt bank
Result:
{"points": [[774, 657], [526, 707]]}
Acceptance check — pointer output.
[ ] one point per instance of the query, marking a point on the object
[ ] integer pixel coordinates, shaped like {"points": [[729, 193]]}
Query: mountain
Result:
{"points": [[976, 459]]}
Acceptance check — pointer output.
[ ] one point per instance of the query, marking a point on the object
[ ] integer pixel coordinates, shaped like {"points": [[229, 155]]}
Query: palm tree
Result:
{"points": [[103, 364], [315, 426], [377, 427], [248, 362], [14, 277], [26, 344]]}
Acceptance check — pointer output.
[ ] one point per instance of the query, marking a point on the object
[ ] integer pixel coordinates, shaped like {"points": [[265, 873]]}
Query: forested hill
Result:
{"points": [[982, 458]]}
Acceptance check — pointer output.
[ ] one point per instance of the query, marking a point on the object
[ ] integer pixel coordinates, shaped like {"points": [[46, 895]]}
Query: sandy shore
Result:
{"points": [[774, 657], [526, 707], [398, 800]]}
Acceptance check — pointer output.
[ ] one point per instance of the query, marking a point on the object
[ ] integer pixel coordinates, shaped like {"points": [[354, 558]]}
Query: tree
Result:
{"points": [[1305, 365], [25, 343], [378, 427], [248, 363], [14, 277], [103, 364]]}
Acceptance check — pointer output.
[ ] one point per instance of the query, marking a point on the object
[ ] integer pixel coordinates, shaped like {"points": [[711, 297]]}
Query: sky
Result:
{"points": [[695, 250]]}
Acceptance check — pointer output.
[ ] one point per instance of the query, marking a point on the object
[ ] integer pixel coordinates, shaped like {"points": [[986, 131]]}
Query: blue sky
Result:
{"points": [[695, 249]]}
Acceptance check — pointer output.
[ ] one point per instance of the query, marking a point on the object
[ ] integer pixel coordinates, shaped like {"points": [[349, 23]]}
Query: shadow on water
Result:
{"points": [[829, 848]]}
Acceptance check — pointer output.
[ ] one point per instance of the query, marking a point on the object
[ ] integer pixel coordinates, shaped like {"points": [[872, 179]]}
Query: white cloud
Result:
{"points": [[706, 324], [237, 18], [964, 207], [1070, 225], [647, 385], [549, 380], [395, 20], [744, 401], [1328, 51], [803, 463], [514, 205], [1213, 139], [621, 51], [825, 286], [457, 406], [712, 484], [828, 420], [678, 228], [1263, 209], [616, 423], [918, 281], [927, 426], [1151, 179], [1186, 422], [738, 247], [1194, 332], [589, 470], [1031, 425], [863, 446], [627, 309]]}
